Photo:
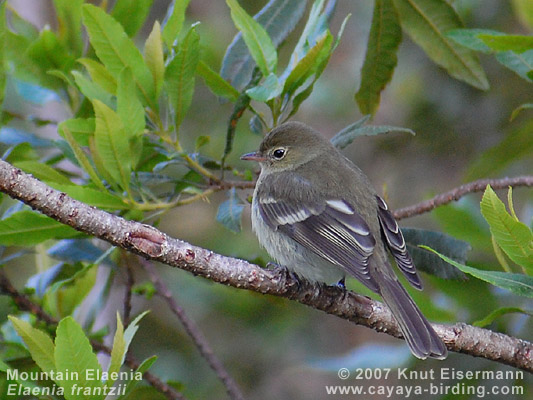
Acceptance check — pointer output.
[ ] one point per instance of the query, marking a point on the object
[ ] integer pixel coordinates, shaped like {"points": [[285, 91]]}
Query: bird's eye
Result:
{"points": [[278, 154]]}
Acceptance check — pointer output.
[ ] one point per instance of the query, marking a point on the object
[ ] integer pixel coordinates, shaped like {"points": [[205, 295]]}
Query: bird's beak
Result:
{"points": [[254, 156]]}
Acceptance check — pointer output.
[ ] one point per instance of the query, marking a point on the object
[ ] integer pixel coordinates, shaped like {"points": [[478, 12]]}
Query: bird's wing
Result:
{"points": [[333, 230], [396, 243]]}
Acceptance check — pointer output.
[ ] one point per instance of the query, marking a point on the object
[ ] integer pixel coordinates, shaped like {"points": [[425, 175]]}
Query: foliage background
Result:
{"points": [[277, 349]]}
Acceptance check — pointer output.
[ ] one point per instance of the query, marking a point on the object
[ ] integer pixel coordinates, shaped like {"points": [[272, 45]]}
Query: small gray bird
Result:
{"points": [[316, 213]]}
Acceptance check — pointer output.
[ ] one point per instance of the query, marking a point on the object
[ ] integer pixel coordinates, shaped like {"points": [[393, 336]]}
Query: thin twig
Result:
{"points": [[24, 303], [194, 332], [130, 281], [458, 192]]}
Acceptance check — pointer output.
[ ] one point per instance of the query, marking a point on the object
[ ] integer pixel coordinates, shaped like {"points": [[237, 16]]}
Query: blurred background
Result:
{"points": [[277, 349]]}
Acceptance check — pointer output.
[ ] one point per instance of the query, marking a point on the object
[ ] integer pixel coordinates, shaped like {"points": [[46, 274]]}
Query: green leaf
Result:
{"points": [[469, 38], [174, 21], [153, 56], [91, 90], [129, 107], [517, 110], [267, 90], [48, 53], [117, 51], [256, 38], [516, 145], [73, 353], [28, 228], [82, 159], [67, 295], [93, 197], [201, 141], [514, 237], [39, 344], [216, 83], [463, 220], [69, 21], [2, 52], [444, 244], [426, 22], [489, 319], [100, 75], [145, 366], [519, 284], [347, 135], [111, 143], [516, 43], [380, 59], [80, 129], [42, 172], [523, 10], [309, 64], [131, 14], [230, 212], [179, 75], [118, 351], [132, 328], [278, 18], [521, 64]]}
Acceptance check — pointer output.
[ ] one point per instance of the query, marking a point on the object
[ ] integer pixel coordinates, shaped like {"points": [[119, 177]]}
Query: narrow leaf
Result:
{"points": [[516, 43], [43, 172], [309, 64], [218, 85], [517, 110], [93, 197], [444, 244], [256, 38], [129, 107], [519, 284], [516, 145], [174, 21], [74, 353], [266, 90], [39, 344], [514, 237], [145, 366], [153, 56], [278, 18], [82, 158], [112, 144], [117, 352], [489, 319], [100, 75], [131, 14], [80, 129], [91, 90], [179, 75], [427, 21], [521, 64], [348, 134], [117, 51], [69, 20], [229, 212], [380, 59], [28, 228]]}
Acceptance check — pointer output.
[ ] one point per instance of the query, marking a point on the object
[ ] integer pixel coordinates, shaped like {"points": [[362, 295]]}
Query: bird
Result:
{"points": [[317, 214]]}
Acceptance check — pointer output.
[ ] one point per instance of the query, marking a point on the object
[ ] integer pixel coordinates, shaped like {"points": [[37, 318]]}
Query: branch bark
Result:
{"points": [[458, 192], [153, 244]]}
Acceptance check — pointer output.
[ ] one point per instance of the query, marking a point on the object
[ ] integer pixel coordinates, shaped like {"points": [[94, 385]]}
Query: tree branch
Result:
{"points": [[458, 192], [153, 244], [194, 333]]}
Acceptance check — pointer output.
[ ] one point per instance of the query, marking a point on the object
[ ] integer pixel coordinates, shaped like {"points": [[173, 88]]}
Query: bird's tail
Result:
{"points": [[418, 332]]}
